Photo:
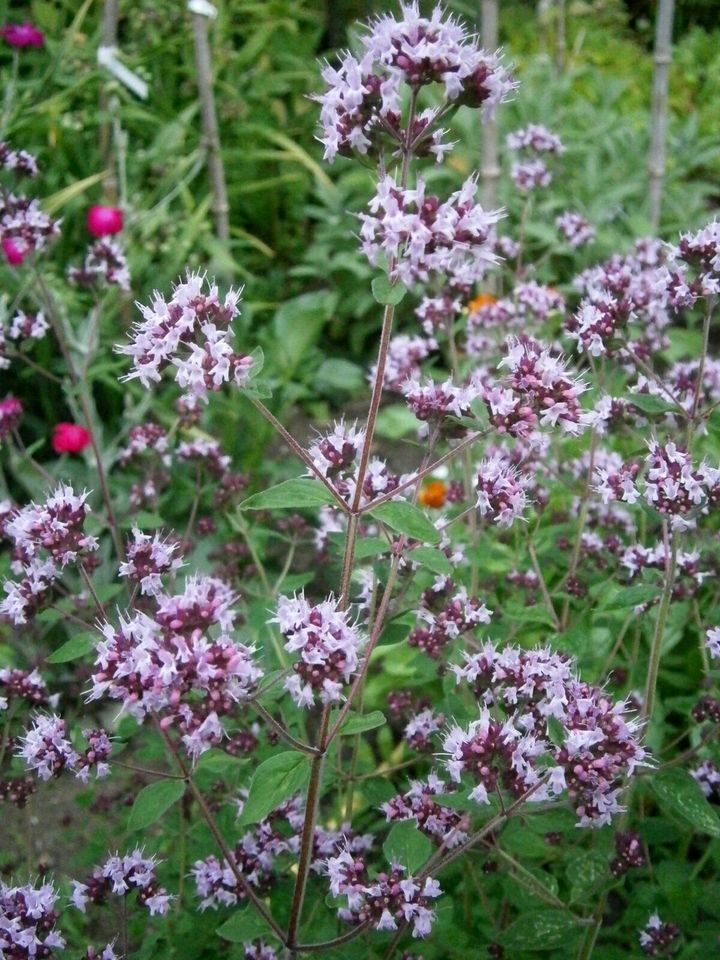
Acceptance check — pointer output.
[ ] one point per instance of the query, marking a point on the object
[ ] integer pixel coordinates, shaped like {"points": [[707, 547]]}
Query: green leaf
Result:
{"points": [[243, 926], [680, 795], [152, 802], [408, 519], [340, 375], [370, 547], [434, 560], [585, 872], [290, 495], [631, 597], [538, 930], [144, 520], [219, 762], [274, 781], [406, 845], [650, 403], [395, 421], [73, 649], [386, 292], [360, 722]]}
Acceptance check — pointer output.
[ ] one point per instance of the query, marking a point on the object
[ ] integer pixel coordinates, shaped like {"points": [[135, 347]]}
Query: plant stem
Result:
{"points": [[575, 559], [543, 586], [282, 732], [656, 646], [211, 133], [306, 842], [658, 121]]}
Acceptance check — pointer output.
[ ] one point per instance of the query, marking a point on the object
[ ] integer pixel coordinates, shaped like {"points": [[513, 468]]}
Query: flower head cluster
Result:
{"points": [[433, 402], [46, 750], [120, 875], [673, 484], [27, 326], [336, 454], [327, 644], [445, 615], [658, 938], [424, 237], [421, 728], [25, 685], [701, 251], [712, 642], [575, 229], [28, 921], [707, 776], [629, 853], [149, 558], [362, 102], [501, 495], [510, 744], [542, 383], [192, 332], [104, 263], [255, 855], [385, 901], [423, 803], [46, 538], [535, 138], [405, 354], [598, 320], [24, 226], [168, 664], [19, 162], [530, 174]]}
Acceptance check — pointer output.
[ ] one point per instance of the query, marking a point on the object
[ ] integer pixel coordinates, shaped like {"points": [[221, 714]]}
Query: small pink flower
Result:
{"points": [[102, 221], [70, 438], [22, 35], [15, 252]]}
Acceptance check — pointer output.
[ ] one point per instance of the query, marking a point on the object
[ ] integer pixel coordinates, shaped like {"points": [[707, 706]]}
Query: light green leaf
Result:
{"points": [[631, 597], [274, 781], [679, 794], [243, 926], [290, 495], [408, 519], [360, 722], [73, 649], [406, 845], [434, 560], [152, 802], [386, 292], [539, 930]]}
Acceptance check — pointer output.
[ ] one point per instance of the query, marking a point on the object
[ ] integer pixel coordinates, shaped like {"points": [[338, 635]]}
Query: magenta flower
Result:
{"points": [[22, 35]]}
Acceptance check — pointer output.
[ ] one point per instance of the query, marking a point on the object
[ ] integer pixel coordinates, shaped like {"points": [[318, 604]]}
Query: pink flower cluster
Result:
{"points": [[192, 332], [28, 921], [673, 484], [328, 647], [444, 615], [423, 237], [46, 538], [432, 403], [510, 745], [149, 558], [120, 875], [24, 227], [385, 901], [658, 938], [501, 491], [168, 665], [362, 102], [405, 354], [104, 263], [541, 387], [575, 229], [46, 750], [255, 856], [423, 803], [19, 162], [336, 455]]}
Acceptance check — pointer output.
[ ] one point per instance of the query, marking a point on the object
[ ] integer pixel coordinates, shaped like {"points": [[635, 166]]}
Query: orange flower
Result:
{"points": [[433, 494], [481, 300]]}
